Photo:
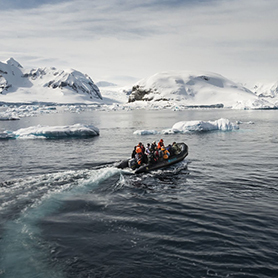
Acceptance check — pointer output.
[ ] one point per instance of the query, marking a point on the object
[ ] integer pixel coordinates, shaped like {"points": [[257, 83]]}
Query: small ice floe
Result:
{"points": [[8, 117], [52, 132], [145, 132], [191, 126], [167, 131], [248, 123]]}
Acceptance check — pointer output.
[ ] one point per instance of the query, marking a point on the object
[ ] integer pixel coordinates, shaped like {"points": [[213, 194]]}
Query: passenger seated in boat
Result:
{"points": [[139, 156], [148, 149], [143, 156], [152, 158], [142, 147], [159, 154], [133, 152], [156, 154], [160, 144], [153, 146], [175, 148], [169, 149]]}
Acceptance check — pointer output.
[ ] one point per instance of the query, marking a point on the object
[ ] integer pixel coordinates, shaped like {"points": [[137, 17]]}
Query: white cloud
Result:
{"points": [[111, 38]]}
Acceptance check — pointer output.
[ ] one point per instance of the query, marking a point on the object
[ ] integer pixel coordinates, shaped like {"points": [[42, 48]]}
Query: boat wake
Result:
{"points": [[27, 202], [24, 203]]}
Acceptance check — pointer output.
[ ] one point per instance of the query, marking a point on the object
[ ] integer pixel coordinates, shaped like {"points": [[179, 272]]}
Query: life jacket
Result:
{"points": [[165, 153], [140, 145], [160, 144]]}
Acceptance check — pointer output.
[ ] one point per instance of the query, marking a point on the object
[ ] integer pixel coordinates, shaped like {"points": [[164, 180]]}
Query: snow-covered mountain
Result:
{"points": [[195, 89], [174, 89], [45, 85]]}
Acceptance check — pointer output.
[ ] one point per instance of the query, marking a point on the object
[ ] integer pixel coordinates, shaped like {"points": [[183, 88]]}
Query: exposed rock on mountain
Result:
{"points": [[195, 89], [266, 90], [46, 84]]}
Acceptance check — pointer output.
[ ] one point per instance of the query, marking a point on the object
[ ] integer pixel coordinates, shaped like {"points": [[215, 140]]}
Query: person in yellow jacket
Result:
{"points": [[165, 153]]}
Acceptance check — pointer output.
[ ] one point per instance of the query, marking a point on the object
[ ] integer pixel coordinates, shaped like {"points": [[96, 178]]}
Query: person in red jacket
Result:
{"points": [[160, 144]]}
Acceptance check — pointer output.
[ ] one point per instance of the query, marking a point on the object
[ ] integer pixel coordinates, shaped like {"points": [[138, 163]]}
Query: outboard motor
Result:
{"points": [[132, 163]]}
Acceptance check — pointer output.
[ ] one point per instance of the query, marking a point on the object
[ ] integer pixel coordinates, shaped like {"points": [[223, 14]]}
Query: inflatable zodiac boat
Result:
{"points": [[161, 163]]}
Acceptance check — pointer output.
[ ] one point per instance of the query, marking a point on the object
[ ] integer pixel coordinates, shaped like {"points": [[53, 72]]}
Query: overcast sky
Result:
{"points": [[121, 40]]}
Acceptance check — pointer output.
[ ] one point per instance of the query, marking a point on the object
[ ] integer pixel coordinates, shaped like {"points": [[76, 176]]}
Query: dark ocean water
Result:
{"points": [[66, 211]]}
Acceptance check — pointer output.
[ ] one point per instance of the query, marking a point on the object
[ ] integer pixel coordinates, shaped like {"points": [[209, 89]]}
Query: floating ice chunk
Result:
{"points": [[193, 126], [167, 131], [7, 135], [190, 126], [8, 116], [144, 132], [225, 125], [55, 132]]}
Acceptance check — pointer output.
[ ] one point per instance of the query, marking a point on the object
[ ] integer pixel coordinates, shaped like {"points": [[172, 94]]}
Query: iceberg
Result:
{"points": [[52, 132], [191, 126]]}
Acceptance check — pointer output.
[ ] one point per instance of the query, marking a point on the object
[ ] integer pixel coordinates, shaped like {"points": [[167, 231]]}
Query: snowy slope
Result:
{"points": [[11, 76], [266, 90], [45, 85], [195, 88]]}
